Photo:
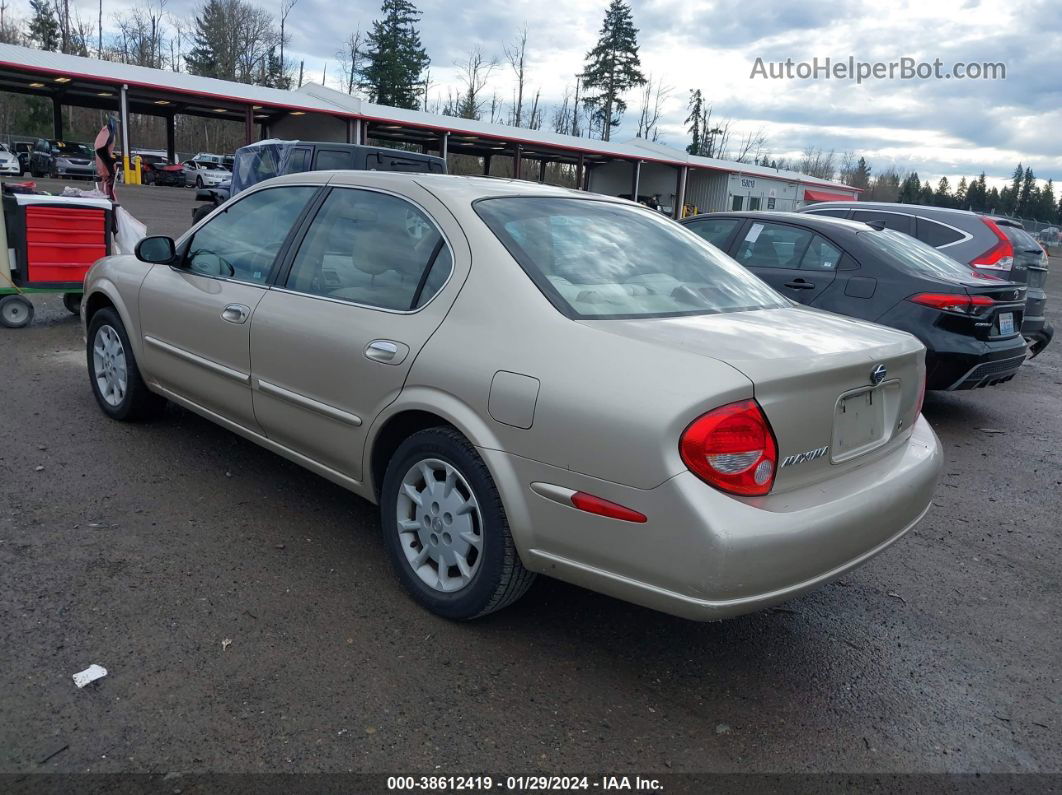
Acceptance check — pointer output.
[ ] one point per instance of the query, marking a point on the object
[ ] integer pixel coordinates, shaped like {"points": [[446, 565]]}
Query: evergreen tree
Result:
{"points": [[1025, 195], [209, 55], [910, 189], [992, 202], [612, 68], [925, 195], [394, 57], [860, 177], [693, 122], [1045, 207], [43, 26], [960, 194], [1009, 197], [943, 197]]}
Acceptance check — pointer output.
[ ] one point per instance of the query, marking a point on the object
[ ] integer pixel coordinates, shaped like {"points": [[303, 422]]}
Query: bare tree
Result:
{"points": [[350, 60], [474, 74], [285, 9], [516, 55], [816, 163], [654, 94], [140, 36], [750, 147]]}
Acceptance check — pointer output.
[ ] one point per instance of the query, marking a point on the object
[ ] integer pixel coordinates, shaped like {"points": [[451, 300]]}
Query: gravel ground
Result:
{"points": [[249, 622]]}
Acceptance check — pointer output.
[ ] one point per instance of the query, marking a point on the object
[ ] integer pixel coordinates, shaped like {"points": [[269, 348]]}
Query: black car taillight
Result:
{"points": [[957, 303]]}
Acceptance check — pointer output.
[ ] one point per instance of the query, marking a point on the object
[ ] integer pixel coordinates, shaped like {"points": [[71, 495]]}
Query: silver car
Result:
{"points": [[201, 173], [528, 380]]}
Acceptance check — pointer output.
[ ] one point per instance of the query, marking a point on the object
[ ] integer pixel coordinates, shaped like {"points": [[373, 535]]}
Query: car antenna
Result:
{"points": [[877, 224]]}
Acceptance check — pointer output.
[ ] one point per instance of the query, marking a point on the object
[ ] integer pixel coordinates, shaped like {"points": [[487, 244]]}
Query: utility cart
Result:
{"points": [[47, 245]]}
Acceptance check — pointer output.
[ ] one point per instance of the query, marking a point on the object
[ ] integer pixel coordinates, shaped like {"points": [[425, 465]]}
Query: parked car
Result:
{"points": [[202, 173], [52, 158], [157, 170], [987, 242], [23, 149], [528, 379], [9, 165], [968, 320], [267, 159]]}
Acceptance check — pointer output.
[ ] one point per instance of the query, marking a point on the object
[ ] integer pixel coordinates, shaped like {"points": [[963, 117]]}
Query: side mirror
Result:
{"points": [[156, 250]]}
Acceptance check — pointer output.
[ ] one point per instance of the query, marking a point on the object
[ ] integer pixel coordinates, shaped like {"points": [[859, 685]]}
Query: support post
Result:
{"points": [[579, 172], [352, 134], [57, 118], [444, 145], [516, 161], [636, 178], [359, 138], [486, 165], [124, 105], [680, 197], [171, 138], [542, 170], [248, 126]]}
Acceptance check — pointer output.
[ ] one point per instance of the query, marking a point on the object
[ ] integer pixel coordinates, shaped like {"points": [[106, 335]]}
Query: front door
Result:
{"points": [[195, 316], [332, 343], [794, 261]]}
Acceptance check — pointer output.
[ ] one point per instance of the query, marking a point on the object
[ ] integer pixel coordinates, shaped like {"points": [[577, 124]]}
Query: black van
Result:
{"points": [[266, 159]]}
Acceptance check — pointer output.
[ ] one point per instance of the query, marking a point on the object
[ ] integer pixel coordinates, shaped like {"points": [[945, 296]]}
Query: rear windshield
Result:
{"points": [[601, 260], [1019, 238], [920, 258]]}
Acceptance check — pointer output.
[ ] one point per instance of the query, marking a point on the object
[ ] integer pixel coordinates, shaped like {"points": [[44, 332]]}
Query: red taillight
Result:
{"points": [[732, 448], [953, 302], [591, 504], [1001, 256]]}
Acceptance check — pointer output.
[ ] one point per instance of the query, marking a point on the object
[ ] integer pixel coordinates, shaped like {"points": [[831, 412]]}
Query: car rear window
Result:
{"points": [[1019, 238], [602, 260], [917, 257]]}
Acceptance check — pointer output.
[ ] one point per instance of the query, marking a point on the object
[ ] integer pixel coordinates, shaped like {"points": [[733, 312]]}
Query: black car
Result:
{"points": [[969, 321], [52, 158]]}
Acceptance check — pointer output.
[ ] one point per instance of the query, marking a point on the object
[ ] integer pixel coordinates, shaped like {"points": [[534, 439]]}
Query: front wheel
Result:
{"points": [[445, 528], [15, 311], [199, 183], [113, 372]]}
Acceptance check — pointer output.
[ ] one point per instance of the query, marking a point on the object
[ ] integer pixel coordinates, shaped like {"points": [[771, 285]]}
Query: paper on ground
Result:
{"points": [[90, 674]]}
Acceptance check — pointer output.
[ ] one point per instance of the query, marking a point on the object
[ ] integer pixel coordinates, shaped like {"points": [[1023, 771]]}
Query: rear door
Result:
{"points": [[332, 342], [793, 260]]}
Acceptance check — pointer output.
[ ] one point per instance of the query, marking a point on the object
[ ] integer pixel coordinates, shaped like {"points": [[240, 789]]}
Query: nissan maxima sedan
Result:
{"points": [[528, 380], [969, 321]]}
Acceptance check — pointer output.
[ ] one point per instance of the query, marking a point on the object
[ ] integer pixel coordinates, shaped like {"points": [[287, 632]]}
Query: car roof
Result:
{"points": [[451, 186], [825, 222], [913, 209]]}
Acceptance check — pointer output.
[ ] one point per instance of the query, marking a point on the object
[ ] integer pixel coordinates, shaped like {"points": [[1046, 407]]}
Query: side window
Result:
{"points": [[334, 159], [773, 246], [737, 203], [299, 161], [821, 256], [715, 230], [242, 242], [897, 221], [836, 212], [935, 234], [372, 249], [754, 203]]}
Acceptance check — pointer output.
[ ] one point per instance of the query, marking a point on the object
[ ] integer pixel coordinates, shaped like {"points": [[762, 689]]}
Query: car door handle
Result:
{"points": [[800, 284], [236, 313], [386, 351]]}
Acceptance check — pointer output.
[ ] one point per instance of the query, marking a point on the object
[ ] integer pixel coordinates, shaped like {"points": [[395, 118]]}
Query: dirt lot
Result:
{"points": [[144, 548]]}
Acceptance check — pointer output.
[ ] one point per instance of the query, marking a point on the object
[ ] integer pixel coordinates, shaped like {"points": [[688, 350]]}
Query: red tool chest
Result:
{"points": [[63, 242]]}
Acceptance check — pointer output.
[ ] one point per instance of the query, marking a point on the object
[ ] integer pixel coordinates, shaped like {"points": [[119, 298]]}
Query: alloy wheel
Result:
{"points": [[109, 365]]}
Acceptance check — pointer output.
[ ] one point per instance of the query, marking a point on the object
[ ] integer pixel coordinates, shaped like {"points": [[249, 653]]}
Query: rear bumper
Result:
{"points": [[705, 555], [1035, 312], [954, 362]]}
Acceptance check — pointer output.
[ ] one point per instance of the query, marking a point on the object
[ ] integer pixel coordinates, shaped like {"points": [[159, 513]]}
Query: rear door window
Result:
{"points": [[935, 234], [768, 245], [821, 255], [898, 221], [716, 231]]}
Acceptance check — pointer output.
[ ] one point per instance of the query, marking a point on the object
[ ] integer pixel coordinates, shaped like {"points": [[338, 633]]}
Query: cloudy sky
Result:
{"points": [[938, 127]]}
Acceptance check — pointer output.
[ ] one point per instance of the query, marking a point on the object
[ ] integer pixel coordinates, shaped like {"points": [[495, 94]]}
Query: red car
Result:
{"points": [[157, 170]]}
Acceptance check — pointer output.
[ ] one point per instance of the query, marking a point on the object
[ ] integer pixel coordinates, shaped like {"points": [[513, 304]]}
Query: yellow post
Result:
{"points": [[136, 169], [127, 172]]}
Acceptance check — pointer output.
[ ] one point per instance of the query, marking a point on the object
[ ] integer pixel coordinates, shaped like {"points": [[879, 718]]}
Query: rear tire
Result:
{"points": [[113, 373], [15, 311], [426, 523]]}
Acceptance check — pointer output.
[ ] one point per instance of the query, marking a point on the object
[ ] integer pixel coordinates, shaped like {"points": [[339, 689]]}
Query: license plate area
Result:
{"points": [[864, 420], [1006, 324]]}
